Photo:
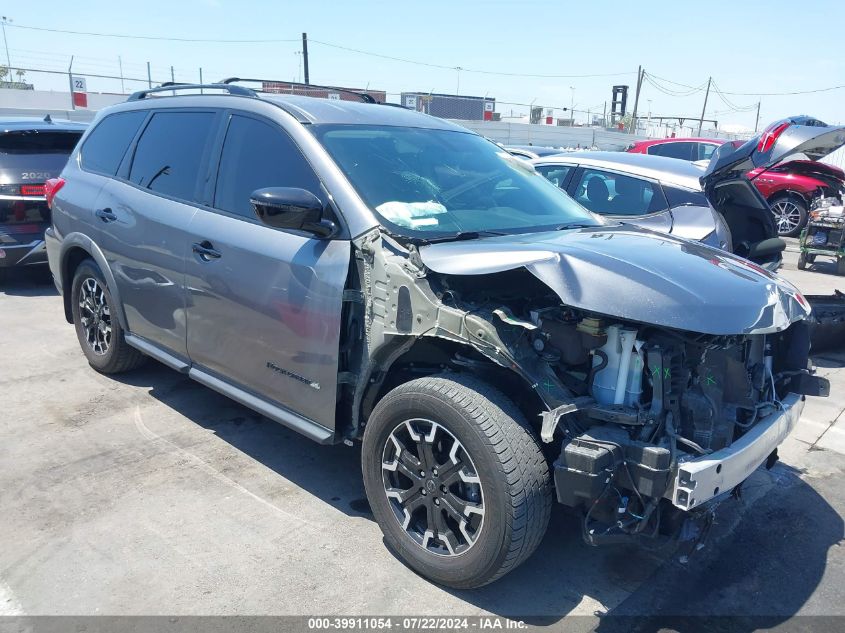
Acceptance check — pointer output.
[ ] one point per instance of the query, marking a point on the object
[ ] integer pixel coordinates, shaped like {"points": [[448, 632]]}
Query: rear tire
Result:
{"points": [[96, 323], [489, 462], [840, 266], [790, 214]]}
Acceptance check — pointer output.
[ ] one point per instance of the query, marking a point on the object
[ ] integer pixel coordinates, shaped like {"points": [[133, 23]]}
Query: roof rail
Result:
{"points": [[169, 86], [366, 98]]}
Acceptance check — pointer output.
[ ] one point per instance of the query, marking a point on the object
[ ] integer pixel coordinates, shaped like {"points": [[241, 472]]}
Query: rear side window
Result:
{"points": [[35, 142], [609, 193], [169, 153], [257, 155], [678, 197], [681, 149], [705, 150], [555, 173], [107, 143]]}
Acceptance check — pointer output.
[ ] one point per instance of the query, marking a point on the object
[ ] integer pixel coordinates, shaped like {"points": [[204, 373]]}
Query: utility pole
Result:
{"points": [[757, 120], [305, 56], [604, 116], [6, 44], [458, 88], [149, 77], [572, 107], [120, 65], [201, 90], [704, 107], [70, 82], [640, 74]]}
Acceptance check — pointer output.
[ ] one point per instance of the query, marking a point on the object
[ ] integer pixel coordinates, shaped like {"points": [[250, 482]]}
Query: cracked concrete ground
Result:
{"points": [[150, 494]]}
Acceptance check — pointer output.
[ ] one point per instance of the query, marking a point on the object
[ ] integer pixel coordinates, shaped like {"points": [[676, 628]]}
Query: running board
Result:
{"points": [[152, 350], [291, 420]]}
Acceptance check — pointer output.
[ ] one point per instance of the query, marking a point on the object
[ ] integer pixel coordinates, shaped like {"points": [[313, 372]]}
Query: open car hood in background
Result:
{"points": [[814, 141], [637, 275]]}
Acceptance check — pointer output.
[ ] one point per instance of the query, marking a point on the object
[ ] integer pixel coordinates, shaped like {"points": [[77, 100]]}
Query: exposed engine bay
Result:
{"points": [[624, 406], [641, 399]]}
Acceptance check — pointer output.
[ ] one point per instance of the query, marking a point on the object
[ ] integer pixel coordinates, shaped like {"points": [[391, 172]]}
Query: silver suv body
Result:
{"points": [[359, 271]]}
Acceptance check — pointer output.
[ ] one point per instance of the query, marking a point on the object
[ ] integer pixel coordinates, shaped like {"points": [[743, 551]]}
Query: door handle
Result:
{"points": [[106, 215], [205, 250]]}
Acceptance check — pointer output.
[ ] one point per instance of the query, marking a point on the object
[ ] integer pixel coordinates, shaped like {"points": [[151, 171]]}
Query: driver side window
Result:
{"points": [[256, 155]]}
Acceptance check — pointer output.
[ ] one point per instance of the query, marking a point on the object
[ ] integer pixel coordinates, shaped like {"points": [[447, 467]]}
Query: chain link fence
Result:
{"points": [[49, 89]]}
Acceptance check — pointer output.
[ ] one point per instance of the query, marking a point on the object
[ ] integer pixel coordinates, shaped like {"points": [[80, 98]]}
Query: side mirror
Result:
{"points": [[291, 208]]}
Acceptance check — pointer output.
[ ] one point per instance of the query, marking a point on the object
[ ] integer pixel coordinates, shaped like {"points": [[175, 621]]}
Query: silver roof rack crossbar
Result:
{"points": [[169, 86], [366, 98]]}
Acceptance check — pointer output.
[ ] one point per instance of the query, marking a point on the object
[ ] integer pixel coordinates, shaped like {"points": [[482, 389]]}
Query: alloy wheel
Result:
{"points": [[433, 487], [787, 215], [95, 316]]}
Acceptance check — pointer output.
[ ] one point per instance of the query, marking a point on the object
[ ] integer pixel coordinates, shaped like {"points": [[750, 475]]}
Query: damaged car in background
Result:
{"points": [[493, 344]]}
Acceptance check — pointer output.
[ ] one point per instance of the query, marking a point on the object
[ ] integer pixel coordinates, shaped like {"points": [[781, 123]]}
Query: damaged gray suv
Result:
{"points": [[357, 271]]}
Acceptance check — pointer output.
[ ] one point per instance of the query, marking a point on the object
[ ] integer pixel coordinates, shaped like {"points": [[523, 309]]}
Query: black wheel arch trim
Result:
{"points": [[79, 241], [387, 358]]}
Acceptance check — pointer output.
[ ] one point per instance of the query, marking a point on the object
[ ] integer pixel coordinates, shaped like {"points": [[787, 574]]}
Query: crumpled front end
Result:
{"points": [[660, 372]]}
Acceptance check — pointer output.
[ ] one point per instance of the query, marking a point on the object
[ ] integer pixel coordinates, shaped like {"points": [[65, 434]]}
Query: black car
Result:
{"points": [[32, 150]]}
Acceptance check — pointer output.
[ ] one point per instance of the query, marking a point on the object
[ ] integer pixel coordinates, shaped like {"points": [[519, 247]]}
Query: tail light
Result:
{"points": [[51, 188], [32, 190], [770, 136]]}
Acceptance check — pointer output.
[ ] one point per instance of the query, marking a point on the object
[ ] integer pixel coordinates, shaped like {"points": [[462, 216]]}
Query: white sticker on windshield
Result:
{"points": [[411, 214]]}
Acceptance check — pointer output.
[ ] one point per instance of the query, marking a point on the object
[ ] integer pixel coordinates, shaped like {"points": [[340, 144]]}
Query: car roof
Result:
{"points": [[319, 111], [667, 170], [538, 150], [687, 139], [20, 124], [309, 110]]}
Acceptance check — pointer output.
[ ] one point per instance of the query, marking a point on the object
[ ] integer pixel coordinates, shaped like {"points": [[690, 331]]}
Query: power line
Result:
{"points": [[329, 44], [784, 94], [671, 92], [153, 37], [464, 68], [731, 104], [649, 76]]}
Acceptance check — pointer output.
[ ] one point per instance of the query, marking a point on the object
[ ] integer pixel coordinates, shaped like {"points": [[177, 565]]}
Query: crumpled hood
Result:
{"points": [[636, 275]]}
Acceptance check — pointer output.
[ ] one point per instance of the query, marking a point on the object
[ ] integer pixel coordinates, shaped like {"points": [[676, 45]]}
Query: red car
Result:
{"points": [[789, 188]]}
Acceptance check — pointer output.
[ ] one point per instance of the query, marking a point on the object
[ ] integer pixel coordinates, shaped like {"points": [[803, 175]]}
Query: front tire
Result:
{"points": [[96, 323], [456, 479], [802, 261]]}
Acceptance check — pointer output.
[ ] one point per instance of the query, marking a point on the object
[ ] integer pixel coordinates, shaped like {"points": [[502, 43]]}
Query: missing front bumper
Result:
{"points": [[699, 480]]}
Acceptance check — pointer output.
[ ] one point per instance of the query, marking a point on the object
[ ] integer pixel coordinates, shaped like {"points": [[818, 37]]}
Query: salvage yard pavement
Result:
{"points": [[148, 494]]}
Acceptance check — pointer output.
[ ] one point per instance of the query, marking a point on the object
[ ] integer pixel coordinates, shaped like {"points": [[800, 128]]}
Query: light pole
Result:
{"points": [[458, 90], [6, 44], [572, 107]]}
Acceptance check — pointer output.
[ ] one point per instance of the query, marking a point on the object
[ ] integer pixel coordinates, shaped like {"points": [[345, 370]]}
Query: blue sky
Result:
{"points": [[748, 47]]}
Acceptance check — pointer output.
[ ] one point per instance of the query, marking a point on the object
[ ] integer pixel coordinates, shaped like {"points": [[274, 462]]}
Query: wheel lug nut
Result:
{"points": [[436, 501], [434, 472], [442, 488], [422, 473], [423, 492]]}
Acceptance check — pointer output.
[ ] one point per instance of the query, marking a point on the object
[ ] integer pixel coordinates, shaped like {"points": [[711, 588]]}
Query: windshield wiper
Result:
{"points": [[574, 225], [463, 235]]}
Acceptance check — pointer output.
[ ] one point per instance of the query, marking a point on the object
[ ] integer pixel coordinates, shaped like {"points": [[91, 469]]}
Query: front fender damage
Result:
{"points": [[400, 306]]}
